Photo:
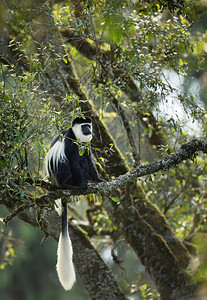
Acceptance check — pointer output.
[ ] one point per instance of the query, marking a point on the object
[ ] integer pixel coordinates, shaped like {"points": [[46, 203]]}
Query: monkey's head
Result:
{"points": [[82, 128]]}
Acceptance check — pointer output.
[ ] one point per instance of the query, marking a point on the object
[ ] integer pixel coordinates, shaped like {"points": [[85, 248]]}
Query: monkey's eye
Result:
{"points": [[86, 129]]}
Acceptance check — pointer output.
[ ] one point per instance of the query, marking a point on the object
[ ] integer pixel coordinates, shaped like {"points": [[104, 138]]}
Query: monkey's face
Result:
{"points": [[83, 132]]}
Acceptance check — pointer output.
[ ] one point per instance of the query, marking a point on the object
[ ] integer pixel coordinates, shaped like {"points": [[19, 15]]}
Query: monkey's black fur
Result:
{"points": [[67, 166]]}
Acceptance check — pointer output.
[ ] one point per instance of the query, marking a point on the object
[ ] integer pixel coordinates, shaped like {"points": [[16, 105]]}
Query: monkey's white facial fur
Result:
{"points": [[83, 132]]}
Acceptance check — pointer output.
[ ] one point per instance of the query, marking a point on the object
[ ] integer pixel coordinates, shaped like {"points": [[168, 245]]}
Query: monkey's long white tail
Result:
{"points": [[65, 268]]}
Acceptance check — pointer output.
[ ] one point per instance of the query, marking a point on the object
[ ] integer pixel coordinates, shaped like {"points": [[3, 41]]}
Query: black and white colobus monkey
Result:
{"points": [[67, 169]]}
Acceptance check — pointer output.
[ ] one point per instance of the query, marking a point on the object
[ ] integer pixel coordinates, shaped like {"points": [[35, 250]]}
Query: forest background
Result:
{"points": [[138, 68]]}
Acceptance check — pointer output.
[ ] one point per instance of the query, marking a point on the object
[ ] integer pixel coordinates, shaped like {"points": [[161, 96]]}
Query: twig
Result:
{"points": [[16, 212], [128, 131], [167, 206]]}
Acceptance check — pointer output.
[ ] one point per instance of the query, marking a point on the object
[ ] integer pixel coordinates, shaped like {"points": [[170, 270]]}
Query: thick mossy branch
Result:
{"points": [[105, 284], [152, 249]]}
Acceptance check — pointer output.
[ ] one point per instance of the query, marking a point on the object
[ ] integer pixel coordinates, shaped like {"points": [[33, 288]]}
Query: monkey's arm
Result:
{"points": [[64, 175], [78, 170]]}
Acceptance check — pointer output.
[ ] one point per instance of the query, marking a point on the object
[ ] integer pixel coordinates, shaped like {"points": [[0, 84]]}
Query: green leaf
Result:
{"points": [[100, 200], [180, 62], [81, 151], [115, 199]]}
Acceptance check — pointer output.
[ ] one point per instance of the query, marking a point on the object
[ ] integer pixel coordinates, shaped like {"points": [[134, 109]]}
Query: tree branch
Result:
{"points": [[187, 151]]}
